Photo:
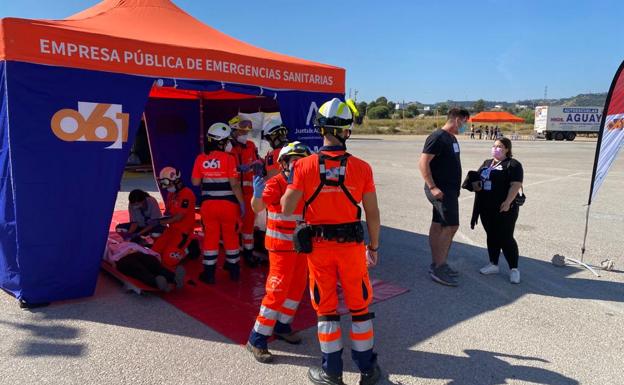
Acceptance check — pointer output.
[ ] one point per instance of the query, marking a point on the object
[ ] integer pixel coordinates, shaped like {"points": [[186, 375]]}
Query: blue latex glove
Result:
{"points": [[258, 186], [242, 209], [243, 168]]}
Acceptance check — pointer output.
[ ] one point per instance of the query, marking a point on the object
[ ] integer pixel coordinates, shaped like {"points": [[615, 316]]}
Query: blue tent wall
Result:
{"points": [[9, 269], [64, 190]]}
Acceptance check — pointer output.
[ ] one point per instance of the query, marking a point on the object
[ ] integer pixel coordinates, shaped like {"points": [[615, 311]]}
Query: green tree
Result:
{"points": [[361, 107], [479, 105], [379, 112], [413, 109], [528, 115], [442, 109], [381, 101]]}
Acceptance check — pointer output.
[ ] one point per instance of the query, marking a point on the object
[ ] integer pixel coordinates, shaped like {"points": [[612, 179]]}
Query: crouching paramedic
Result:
{"points": [[249, 163], [177, 239], [287, 269], [332, 184], [222, 203]]}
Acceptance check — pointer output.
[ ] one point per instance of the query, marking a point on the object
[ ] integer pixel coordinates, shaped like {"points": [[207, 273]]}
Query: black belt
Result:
{"points": [[341, 233]]}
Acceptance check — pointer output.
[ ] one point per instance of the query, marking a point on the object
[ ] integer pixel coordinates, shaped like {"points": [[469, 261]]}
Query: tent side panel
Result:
{"points": [[9, 268], [173, 130], [298, 110], [71, 134]]}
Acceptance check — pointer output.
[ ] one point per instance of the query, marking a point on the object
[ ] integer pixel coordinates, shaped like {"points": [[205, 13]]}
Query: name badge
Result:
{"points": [[487, 185], [456, 147]]}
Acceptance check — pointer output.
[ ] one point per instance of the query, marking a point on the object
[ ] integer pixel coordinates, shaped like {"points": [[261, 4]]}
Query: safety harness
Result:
{"points": [[344, 232]]}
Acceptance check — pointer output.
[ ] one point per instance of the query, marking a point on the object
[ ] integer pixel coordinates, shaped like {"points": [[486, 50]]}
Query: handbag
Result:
{"points": [[520, 198]]}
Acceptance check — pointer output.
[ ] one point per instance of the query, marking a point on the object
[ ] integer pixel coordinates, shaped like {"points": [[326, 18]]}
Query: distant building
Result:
{"points": [[521, 106], [498, 107], [426, 108]]}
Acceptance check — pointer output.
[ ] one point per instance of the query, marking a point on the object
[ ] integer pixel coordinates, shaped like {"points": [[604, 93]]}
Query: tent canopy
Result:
{"points": [[495, 117], [73, 93], [156, 38]]}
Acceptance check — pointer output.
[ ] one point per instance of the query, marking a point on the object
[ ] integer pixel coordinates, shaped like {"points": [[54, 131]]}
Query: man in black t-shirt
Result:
{"points": [[440, 167]]}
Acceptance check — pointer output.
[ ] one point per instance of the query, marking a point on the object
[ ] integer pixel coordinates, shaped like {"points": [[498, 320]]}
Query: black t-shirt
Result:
{"points": [[445, 165], [499, 178]]}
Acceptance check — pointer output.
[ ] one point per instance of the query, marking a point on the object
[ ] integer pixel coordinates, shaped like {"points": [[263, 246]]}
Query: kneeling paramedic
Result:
{"points": [[332, 184], [177, 241], [222, 203], [287, 269]]}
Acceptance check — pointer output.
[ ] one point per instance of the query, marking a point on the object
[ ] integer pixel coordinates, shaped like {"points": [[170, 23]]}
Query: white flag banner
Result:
{"points": [[611, 136]]}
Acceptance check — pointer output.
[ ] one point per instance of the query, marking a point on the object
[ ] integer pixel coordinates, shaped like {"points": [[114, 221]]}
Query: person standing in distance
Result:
{"points": [[440, 167], [332, 184]]}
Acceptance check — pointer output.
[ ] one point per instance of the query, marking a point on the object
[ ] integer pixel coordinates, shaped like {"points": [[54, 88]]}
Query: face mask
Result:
{"points": [[498, 153], [462, 128], [242, 139], [228, 147], [171, 189]]}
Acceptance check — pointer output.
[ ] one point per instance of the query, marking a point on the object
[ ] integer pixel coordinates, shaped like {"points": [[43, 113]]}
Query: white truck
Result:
{"points": [[559, 123]]}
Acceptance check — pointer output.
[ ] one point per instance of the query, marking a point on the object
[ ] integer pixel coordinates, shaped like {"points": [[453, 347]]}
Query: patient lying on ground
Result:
{"points": [[143, 264]]}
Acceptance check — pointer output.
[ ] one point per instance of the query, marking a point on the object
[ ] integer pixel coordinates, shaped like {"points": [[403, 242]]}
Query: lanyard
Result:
{"points": [[485, 174]]}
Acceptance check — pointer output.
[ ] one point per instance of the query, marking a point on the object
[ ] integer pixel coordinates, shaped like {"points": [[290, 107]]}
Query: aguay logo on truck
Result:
{"points": [[578, 116], [92, 122]]}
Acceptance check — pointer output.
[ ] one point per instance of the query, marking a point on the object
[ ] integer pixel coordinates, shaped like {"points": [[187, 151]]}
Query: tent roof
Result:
{"points": [[156, 38], [495, 116]]}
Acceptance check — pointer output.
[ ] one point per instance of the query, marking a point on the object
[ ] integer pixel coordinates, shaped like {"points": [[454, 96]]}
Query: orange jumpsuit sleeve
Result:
{"points": [[197, 168], [272, 192], [298, 178], [369, 182]]}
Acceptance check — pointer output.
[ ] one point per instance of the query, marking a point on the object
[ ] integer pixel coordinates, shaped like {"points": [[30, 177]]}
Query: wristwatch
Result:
{"points": [[369, 248]]}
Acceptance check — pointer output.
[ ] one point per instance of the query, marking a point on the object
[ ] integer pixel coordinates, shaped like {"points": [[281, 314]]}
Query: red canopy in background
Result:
{"points": [[495, 117]]}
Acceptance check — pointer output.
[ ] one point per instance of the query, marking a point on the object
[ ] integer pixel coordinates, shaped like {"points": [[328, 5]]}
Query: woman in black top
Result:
{"points": [[501, 180]]}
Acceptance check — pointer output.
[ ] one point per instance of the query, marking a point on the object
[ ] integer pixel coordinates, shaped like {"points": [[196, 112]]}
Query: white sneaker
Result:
{"points": [[489, 269], [514, 276]]}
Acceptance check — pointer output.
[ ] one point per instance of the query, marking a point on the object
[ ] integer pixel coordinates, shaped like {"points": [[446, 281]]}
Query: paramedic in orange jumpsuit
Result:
{"points": [[276, 134], [332, 184], [175, 242], [249, 163], [222, 203], [287, 269]]}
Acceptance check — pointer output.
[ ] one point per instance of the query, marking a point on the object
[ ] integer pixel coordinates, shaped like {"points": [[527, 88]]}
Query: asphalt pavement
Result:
{"points": [[561, 325]]}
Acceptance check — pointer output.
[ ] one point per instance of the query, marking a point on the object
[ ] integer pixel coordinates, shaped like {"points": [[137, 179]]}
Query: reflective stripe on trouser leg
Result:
{"points": [[232, 256], [330, 339], [288, 310], [248, 241], [210, 257], [362, 340], [263, 328]]}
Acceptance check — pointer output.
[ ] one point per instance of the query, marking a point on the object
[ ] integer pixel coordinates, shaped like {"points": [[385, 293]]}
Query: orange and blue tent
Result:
{"points": [[73, 93]]}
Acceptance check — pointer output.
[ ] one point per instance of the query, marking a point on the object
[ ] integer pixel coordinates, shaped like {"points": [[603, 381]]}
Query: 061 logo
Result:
{"points": [[92, 122], [212, 164]]}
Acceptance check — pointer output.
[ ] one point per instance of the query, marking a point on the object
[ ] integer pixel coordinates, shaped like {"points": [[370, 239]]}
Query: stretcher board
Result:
{"points": [[129, 283]]}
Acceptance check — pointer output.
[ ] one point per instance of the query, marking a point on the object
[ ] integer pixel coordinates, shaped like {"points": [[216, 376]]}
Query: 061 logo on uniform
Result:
{"points": [[92, 122]]}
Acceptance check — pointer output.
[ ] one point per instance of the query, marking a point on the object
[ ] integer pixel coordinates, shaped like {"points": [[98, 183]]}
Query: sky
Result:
{"points": [[422, 51]]}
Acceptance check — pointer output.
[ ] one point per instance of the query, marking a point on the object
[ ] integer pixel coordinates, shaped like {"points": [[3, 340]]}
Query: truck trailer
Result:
{"points": [[564, 123]]}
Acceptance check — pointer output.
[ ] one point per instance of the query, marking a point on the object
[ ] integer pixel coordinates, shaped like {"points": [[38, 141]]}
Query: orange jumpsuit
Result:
{"points": [[332, 263], [172, 244], [287, 272], [219, 210], [246, 154]]}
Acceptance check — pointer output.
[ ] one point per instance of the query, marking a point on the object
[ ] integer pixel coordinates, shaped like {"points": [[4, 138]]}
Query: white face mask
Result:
{"points": [[228, 147], [242, 138], [171, 189]]}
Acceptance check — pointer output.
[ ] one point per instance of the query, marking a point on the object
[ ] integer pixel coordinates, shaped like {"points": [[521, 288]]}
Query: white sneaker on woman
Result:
{"points": [[489, 269], [514, 276]]}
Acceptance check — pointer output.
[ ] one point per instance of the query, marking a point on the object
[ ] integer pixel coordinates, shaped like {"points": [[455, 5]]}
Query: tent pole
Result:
{"points": [[201, 122]]}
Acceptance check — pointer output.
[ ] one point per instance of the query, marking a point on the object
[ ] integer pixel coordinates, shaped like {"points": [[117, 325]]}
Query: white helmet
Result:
{"points": [[168, 176], [240, 123], [335, 116], [218, 132], [294, 149], [275, 132]]}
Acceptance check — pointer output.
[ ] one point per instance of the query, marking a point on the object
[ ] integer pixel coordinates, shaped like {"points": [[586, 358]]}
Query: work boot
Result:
{"points": [[234, 270], [250, 259], [372, 377], [318, 376], [292, 337], [208, 275], [261, 355]]}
